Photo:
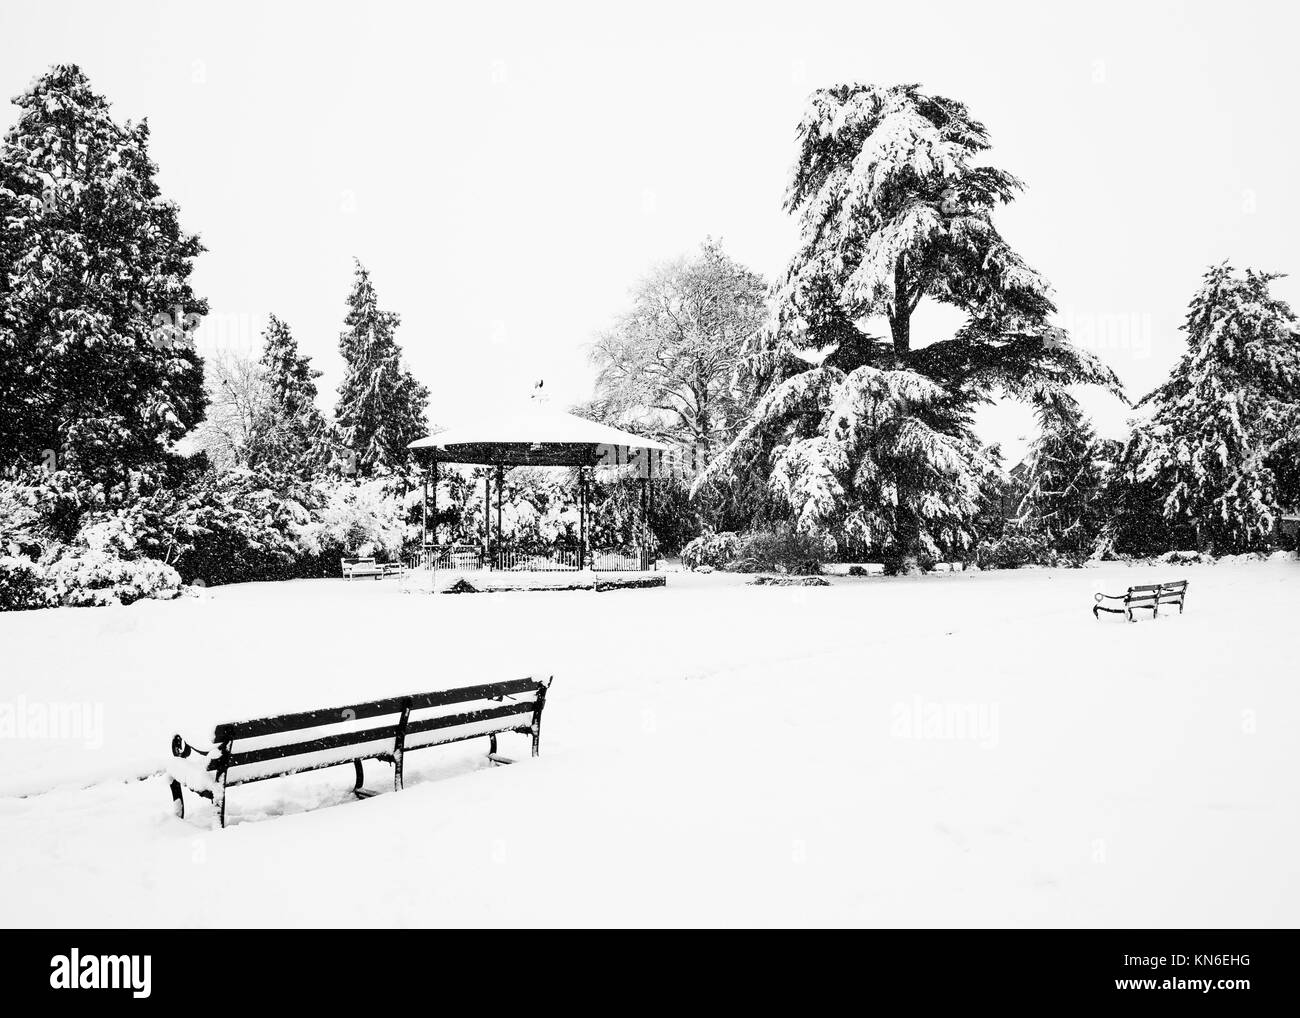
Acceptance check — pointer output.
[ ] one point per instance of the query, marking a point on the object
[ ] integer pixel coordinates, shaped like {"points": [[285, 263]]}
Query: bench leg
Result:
{"points": [[219, 801], [357, 790], [493, 755], [178, 799]]}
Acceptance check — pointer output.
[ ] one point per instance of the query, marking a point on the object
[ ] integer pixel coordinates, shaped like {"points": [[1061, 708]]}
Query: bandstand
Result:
{"points": [[538, 438]]}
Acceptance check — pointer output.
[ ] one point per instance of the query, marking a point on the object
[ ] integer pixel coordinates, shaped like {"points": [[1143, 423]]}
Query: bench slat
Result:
{"points": [[491, 690], [470, 717], [327, 742], [375, 708]]}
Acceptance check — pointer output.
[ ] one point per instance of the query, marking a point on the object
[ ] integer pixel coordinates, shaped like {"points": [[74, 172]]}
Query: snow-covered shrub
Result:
{"points": [[221, 526], [82, 577], [111, 534], [353, 516], [539, 509], [789, 581], [709, 549], [246, 528], [21, 526], [41, 512], [22, 584], [1186, 558], [38, 510], [899, 563], [1013, 550], [784, 550]]}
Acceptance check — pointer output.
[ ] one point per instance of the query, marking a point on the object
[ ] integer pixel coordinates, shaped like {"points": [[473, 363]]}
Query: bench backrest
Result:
{"points": [[289, 743], [1173, 591], [1156, 593]]}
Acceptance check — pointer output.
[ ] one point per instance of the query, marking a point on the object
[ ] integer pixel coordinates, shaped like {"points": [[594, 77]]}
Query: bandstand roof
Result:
{"points": [[533, 437]]}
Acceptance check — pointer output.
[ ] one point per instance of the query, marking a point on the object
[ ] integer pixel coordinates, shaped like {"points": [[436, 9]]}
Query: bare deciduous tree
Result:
{"points": [[240, 411], [677, 363]]}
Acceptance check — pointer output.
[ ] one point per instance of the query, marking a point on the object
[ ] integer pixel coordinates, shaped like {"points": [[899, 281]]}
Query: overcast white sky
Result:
{"points": [[508, 170]]}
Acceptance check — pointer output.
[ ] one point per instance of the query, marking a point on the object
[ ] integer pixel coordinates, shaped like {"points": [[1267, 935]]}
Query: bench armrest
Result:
{"points": [[190, 765]]}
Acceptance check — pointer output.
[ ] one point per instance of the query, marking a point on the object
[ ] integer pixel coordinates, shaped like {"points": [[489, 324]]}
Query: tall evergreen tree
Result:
{"points": [[96, 308], [1064, 478], [1208, 457], [381, 406], [874, 435], [295, 430]]}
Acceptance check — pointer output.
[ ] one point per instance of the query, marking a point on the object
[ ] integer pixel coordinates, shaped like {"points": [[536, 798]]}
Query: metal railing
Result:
{"points": [[546, 560], [639, 560], [462, 557], [509, 558]]}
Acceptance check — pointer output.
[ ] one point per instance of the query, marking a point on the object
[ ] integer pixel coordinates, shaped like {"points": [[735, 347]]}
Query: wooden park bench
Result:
{"points": [[353, 567], [274, 747], [1149, 596], [369, 567]]}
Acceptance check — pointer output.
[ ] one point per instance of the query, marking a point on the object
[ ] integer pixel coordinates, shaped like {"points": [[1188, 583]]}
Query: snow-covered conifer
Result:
{"points": [[295, 432], [381, 406], [869, 434], [1207, 455], [1065, 472], [96, 308]]}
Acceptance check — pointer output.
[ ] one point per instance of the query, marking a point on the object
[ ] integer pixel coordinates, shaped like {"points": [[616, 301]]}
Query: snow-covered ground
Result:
{"points": [[964, 749]]}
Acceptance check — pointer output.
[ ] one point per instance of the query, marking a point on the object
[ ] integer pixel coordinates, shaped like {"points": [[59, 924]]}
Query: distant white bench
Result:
{"points": [[353, 567]]}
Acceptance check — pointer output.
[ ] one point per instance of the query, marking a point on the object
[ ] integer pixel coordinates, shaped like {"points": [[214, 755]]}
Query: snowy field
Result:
{"points": [[967, 749]]}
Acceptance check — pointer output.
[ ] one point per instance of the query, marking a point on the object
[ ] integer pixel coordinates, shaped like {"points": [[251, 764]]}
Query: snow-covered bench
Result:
{"points": [[353, 567], [272, 747], [1148, 596]]}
